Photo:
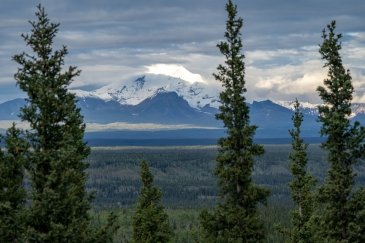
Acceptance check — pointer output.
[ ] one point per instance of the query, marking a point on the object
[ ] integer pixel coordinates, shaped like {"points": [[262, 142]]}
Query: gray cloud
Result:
{"points": [[113, 40]]}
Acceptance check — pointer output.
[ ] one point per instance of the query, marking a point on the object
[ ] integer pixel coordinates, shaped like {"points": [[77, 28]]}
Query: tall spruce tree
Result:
{"points": [[301, 185], [59, 202], [150, 222], [343, 208], [235, 219], [12, 192]]}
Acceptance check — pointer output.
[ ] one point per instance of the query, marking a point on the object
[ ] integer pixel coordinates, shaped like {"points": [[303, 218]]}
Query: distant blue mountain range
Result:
{"points": [[168, 108]]}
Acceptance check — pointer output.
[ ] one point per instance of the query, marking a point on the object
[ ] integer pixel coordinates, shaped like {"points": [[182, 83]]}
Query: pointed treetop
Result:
{"points": [[146, 176], [42, 29]]}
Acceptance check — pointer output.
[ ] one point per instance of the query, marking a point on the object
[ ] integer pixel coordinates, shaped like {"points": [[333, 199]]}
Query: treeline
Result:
{"points": [[52, 153], [185, 174]]}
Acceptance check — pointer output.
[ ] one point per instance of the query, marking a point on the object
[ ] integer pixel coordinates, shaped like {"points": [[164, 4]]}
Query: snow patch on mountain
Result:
{"points": [[305, 107], [312, 109], [290, 104], [357, 108], [134, 91]]}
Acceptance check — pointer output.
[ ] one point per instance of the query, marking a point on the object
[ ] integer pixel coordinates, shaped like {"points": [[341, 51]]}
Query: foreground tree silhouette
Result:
{"points": [[235, 219], [301, 185], [150, 222], [342, 218], [12, 192], [59, 202]]}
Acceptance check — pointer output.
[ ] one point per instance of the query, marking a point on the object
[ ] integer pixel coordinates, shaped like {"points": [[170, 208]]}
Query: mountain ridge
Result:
{"points": [[158, 99]]}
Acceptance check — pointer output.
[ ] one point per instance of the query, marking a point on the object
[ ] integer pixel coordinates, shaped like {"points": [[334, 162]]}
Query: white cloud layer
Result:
{"points": [[176, 71], [115, 126], [120, 126]]}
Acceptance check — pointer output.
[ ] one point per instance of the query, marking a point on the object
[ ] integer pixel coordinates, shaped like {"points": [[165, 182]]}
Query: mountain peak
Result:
{"points": [[263, 102], [290, 104], [134, 91], [139, 82]]}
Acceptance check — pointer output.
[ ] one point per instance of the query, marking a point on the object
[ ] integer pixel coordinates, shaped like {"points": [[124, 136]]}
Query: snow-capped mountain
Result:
{"points": [[134, 91], [290, 104], [357, 109], [305, 107], [154, 99], [312, 109]]}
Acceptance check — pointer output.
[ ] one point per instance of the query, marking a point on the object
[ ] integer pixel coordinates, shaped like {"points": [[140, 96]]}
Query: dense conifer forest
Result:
{"points": [[185, 173], [185, 176]]}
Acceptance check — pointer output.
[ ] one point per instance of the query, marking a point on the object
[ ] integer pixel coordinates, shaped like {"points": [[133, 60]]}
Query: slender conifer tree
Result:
{"points": [[302, 184], [150, 222], [235, 219], [343, 207], [59, 202]]}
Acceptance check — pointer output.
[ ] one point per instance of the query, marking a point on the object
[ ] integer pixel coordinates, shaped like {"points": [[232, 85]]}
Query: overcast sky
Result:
{"points": [[113, 40]]}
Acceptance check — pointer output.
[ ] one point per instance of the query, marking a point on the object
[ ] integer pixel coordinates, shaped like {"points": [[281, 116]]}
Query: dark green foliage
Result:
{"points": [[59, 202], [185, 175], [301, 185], [184, 172], [340, 218], [150, 222], [183, 223], [12, 192], [106, 231], [235, 219]]}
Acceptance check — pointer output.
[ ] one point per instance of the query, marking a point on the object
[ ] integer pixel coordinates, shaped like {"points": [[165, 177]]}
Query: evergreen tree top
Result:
{"points": [[146, 175], [42, 29], [232, 75], [43, 69], [150, 195], [337, 93], [150, 222]]}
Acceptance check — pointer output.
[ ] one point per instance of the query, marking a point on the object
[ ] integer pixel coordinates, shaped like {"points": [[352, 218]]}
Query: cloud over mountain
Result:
{"points": [[117, 40]]}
